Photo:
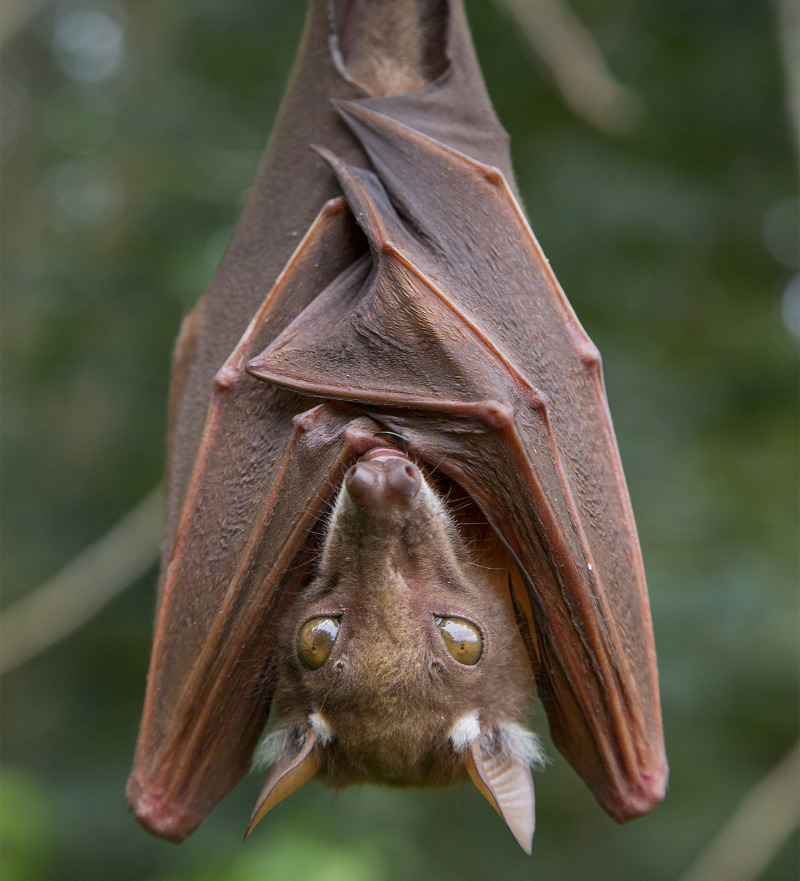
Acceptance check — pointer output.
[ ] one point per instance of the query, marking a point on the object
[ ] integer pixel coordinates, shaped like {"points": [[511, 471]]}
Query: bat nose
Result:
{"points": [[380, 481], [402, 477]]}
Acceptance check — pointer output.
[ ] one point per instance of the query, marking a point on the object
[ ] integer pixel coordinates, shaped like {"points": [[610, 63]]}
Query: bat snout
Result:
{"points": [[383, 479]]}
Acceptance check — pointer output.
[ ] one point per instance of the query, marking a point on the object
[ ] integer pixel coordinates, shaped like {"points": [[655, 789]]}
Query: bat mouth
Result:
{"points": [[382, 453]]}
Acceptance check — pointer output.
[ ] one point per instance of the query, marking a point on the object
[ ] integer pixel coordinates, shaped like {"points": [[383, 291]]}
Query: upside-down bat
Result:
{"points": [[394, 493]]}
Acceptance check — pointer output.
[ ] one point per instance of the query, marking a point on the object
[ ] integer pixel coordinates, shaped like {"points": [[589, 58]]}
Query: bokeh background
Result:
{"points": [[131, 133]]}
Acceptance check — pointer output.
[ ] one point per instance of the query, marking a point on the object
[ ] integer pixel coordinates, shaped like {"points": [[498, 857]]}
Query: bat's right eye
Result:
{"points": [[462, 639], [315, 641]]}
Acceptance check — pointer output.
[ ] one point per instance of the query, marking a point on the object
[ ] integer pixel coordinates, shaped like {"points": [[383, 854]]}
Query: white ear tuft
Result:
{"points": [[321, 727], [464, 731], [522, 745], [273, 746], [270, 748]]}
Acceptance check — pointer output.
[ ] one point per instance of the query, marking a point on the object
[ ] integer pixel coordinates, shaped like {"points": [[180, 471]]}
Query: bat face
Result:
{"points": [[385, 340], [403, 649]]}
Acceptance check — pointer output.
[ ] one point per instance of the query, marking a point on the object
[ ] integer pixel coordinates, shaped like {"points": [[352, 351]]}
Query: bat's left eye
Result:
{"points": [[461, 639], [315, 641]]}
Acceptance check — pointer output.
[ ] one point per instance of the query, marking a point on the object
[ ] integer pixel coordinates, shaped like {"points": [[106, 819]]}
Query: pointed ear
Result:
{"points": [[507, 784], [292, 769]]}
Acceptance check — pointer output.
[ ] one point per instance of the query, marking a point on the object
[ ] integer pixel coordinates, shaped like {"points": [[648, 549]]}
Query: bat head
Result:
{"points": [[402, 662]]}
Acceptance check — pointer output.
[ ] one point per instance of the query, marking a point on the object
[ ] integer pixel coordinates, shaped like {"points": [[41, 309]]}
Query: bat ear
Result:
{"points": [[507, 784], [292, 769]]}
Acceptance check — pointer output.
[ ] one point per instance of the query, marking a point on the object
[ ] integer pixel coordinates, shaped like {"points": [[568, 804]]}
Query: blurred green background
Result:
{"points": [[131, 133]]}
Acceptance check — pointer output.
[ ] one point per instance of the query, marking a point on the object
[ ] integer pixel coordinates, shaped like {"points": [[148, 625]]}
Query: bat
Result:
{"points": [[395, 499]]}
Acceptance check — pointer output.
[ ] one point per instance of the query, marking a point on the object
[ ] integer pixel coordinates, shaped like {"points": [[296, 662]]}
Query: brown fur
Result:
{"points": [[387, 51]]}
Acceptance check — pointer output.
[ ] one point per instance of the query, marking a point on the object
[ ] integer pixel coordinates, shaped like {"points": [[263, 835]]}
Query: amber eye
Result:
{"points": [[315, 641], [461, 639]]}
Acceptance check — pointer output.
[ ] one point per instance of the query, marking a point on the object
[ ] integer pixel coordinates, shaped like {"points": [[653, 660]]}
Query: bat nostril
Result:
{"points": [[404, 479], [360, 480]]}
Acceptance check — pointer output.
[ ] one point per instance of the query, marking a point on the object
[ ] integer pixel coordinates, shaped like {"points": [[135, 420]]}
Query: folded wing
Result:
{"points": [[458, 337]]}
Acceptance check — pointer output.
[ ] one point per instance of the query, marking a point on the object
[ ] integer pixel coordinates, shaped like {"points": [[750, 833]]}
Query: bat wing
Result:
{"points": [[457, 336], [242, 546], [249, 466]]}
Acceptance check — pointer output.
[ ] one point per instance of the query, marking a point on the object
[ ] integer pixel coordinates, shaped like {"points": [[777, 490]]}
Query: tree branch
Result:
{"points": [[98, 574], [573, 57], [765, 818]]}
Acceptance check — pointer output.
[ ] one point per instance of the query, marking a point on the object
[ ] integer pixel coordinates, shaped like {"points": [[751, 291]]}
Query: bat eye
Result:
{"points": [[461, 639], [315, 641]]}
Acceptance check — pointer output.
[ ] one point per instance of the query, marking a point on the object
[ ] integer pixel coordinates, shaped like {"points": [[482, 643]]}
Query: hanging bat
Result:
{"points": [[395, 497]]}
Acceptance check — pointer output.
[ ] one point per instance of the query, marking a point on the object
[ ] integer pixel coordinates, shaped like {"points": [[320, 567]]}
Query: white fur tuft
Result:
{"points": [[270, 748], [278, 740], [521, 744], [322, 728], [464, 731]]}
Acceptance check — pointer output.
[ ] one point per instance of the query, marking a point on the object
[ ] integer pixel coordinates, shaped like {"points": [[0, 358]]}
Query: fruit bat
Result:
{"points": [[395, 499]]}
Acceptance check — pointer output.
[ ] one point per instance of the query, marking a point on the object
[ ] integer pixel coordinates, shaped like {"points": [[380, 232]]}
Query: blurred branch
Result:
{"points": [[767, 815], [98, 574], [571, 53]]}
